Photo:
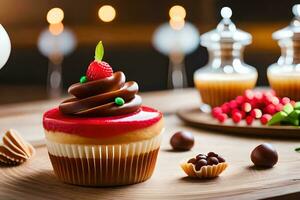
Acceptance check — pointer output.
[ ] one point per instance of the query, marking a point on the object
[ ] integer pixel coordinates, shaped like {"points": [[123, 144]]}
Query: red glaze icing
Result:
{"points": [[97, 127]]}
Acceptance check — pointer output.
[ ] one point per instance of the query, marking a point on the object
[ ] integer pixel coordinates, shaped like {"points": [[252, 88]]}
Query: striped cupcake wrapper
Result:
{"points": [[104, 165]]}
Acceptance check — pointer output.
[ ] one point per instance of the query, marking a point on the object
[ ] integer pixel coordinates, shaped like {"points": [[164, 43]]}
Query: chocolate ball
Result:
{"points": [[212, 161], [200, 163], [192, 160], [201, 156], [264, 155], [212, 154], [220, 159], [182, 141]]}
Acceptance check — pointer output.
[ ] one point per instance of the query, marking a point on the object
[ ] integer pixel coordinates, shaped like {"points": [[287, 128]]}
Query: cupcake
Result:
{"points": [[103, 136]]}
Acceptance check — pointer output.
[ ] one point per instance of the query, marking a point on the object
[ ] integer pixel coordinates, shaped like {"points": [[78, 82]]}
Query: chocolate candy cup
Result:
{"points": [[209, 171]]}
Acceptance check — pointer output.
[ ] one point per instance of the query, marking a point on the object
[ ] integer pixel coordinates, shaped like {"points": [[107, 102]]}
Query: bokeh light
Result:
{"points": [[177, 13], [176, 24], [56, 29], [107, 13], [55, 16]]}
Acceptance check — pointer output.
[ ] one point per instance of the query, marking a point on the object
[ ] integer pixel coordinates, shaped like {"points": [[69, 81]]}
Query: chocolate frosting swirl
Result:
{"points": [[96, 98]]}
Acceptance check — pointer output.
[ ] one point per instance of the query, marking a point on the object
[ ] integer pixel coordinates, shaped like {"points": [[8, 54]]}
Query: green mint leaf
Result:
{"points": [[99, 52], [278, 117], [297, 149]]}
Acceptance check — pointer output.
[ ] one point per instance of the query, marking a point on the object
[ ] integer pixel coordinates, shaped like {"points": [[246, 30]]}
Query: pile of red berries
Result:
{"points": [[252, 105]]}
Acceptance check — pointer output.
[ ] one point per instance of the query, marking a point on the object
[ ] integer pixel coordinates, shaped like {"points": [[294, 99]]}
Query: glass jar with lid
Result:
{"points": [[284, 76], [226, 75]]}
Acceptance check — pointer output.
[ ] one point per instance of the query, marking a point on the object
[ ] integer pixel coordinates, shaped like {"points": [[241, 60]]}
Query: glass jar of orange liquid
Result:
{"points": [[284, 76], [226, 75]]}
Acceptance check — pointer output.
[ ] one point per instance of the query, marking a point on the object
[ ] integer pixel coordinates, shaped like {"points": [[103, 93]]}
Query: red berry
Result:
{"points": [[268, 93], [249, 120], [98, 70], [258, 96], [279, 107], [234, 110], [270, 109], [216, 111], [225, 108], [249, 94], [240, 99], [271, 100], [293, 102], [233, 104], [256, 113], [222, 117], [246, 107], [243, 114], [275, 100], [285, 100], [254, 103], [236, 117], [239, 111], [265, 118], [268, 99]]}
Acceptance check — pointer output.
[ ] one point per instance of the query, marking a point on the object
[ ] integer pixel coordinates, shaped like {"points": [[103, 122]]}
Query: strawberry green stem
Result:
{"points": [[99, 52]]}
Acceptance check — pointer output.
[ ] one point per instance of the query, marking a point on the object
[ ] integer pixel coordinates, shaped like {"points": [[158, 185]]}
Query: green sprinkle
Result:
{"points": [[119, 101], [99, 52], [297, 149], [83, 79]]}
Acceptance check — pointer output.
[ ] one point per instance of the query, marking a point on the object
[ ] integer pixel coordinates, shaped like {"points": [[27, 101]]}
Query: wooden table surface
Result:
{"points": [[35, 179]]}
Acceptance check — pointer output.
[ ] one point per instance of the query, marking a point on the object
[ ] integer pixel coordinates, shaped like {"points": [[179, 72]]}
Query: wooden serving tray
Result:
{"points": [[195, 117]]}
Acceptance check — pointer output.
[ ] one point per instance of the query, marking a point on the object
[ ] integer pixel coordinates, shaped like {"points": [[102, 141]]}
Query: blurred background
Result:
{"points": [[127, 39]]}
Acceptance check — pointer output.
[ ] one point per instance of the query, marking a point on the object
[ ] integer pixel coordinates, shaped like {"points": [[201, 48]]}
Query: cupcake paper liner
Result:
{"points": [[209, 171], [104, 165]]}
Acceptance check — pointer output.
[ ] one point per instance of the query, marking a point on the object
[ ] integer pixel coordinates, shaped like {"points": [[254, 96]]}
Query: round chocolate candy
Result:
{"points": [[192, 160], [264, 155], [182, 141], [201, 156], [202, 160], [212, 154], [220, 159], [200, 163], [212, 161]]}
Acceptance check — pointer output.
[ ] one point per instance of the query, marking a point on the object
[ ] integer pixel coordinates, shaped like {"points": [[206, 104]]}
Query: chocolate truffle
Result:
{"points": [[264, 155], [182, 141]]}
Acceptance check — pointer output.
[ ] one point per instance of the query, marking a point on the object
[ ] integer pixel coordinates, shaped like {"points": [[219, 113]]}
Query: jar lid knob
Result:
{"points": [[226, 12], [296, 10], [226, 32]]}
